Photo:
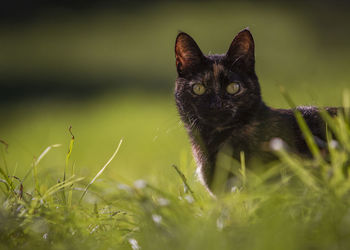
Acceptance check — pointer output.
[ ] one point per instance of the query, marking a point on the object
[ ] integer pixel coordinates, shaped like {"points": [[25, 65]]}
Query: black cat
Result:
{"points": [[219, 101]]}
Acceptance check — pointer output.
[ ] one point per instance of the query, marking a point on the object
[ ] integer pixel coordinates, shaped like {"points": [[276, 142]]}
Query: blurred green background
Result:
{"points": [[107, 69]]}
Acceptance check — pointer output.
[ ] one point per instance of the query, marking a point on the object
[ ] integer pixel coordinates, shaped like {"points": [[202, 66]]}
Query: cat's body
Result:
{"points": [[218, 98]]}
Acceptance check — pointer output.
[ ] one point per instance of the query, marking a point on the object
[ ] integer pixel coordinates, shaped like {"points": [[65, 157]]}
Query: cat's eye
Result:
{"points": [[198, 89], [233, 88]]}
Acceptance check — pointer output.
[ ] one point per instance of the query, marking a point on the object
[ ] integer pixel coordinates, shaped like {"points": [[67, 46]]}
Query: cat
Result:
{"points": [[219, 100]]}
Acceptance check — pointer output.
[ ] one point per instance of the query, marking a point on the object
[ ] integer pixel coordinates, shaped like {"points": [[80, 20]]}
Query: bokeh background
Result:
{"points": [[106, 68]]}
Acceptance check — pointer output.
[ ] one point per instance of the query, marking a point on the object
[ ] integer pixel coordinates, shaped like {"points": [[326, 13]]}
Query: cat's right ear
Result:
{"points": [[189, 57], [241, 51]]}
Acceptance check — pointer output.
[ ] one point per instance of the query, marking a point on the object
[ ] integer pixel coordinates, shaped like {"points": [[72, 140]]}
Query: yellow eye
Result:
{"points": [[198, 89], [232, 88]]}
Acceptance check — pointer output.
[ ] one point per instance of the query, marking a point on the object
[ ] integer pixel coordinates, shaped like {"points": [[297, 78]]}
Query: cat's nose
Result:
{"points": [[215, 105]]}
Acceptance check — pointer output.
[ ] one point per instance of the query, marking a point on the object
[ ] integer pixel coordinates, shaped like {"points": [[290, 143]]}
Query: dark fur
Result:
{"points": [[242, 121]]}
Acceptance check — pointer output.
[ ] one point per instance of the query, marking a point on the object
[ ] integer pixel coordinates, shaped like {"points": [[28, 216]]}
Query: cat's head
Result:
{"points": [[216, 90]]}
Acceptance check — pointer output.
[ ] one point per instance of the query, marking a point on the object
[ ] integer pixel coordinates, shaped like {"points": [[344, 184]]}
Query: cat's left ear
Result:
{"points": [[189, 57], [241, 51]]}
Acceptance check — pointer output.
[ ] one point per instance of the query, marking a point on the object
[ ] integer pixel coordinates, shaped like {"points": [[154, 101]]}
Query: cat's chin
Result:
{"points": [[219, 122], [218, 125]]}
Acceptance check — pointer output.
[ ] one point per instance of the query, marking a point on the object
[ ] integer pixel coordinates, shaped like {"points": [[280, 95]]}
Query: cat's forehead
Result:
{"points": [[216, 63], [216, 75], [218, 69], [215, 71]]}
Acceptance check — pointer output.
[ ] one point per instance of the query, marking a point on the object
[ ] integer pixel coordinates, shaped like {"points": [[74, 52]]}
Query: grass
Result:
{"points": [[58, 201], [65, 185]]}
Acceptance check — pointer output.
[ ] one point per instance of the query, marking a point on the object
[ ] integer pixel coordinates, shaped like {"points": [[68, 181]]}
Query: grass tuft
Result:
{"points": [[294, 204]]}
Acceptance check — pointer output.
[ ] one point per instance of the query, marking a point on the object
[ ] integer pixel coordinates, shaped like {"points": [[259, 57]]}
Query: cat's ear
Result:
{"points": [[189, 57], [241, 51]]}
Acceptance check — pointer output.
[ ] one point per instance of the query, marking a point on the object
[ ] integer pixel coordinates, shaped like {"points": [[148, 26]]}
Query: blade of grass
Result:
{"points": [[297, 167], [52, 190], [184, 180], [101, 171], [4, 172], [346, 105], [61, 185], [3, 154], [70, 193], [5, 143], [8, 180], [70, 149], [332, 123], [6, 184], [39, 159], [243, 168], [309, 138], [35, 178], [69, 152], [287, 97]]}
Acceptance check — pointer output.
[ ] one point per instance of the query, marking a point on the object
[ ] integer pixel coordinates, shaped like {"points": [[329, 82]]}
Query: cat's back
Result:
{"points": [[313, 117]]}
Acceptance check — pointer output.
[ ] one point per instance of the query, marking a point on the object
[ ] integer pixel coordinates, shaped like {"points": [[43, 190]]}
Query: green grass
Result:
{"points": [[140, 200], [148, 195]]}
